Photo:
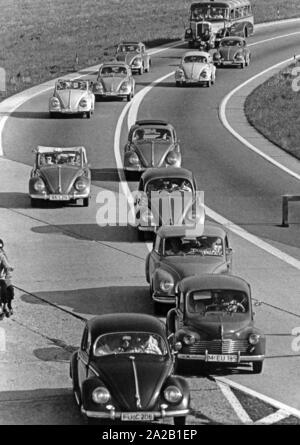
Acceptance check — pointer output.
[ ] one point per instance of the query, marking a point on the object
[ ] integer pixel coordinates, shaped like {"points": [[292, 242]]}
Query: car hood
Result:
{"points": [[185, 266], [127, 57], [152, 153], [70, 98], [229, 53], [60, 178], [117, 372], [216, 325], [193, 70], [164, 210], [113, 83]]}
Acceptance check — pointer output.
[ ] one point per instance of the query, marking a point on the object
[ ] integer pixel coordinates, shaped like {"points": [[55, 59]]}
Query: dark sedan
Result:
{"points": [[123, 370], [232, 51]]}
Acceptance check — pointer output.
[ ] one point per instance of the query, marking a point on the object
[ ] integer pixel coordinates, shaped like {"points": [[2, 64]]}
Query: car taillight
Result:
{"points": [[101, 395], [173, 394], [80, 184], [39, 185], [83, 103], [172, 158]]}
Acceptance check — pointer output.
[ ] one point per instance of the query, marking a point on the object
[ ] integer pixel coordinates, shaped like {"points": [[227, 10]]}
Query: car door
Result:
{"points": [[83, 357]]}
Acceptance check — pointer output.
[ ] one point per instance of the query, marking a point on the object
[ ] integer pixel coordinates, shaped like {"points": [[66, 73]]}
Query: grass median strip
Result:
{"points": [[273, 109], [44, 39]]}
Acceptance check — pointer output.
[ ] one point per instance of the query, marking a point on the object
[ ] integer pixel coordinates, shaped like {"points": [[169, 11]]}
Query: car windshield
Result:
{"points": [[209, 12], [64, 157], [129, 48], [71, 85], [225, 301], [195, 59], [231, 42], [151, 134], [169, 185], [130, 343], [113, 70], [202, 245]]}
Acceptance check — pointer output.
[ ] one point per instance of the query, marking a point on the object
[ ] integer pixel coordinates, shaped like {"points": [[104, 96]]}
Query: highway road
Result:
{"points": [[63, 257]]}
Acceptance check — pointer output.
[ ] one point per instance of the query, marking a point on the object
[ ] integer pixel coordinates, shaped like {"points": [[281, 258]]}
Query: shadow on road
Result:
{"points": [[13, 200]]}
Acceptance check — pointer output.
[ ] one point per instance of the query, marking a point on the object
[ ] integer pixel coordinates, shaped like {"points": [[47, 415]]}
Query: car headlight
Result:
{"points": [[133, 158], [83, 103], [146, 216], [217, 56], [253, 339], [204, 74], [98, 87], [189, 339], [172, 158], [136, 62], [124, 86], [166, 285], [239, 57], [81, 184], [101, 395], [54, 102], [173, 394], [39, 185]]}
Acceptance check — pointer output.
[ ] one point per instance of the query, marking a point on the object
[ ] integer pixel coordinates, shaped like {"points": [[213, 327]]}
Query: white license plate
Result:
{"points": [[59, 197], [222, 358], [137, 416]]}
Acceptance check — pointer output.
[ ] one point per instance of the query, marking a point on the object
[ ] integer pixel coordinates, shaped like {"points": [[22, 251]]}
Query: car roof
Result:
{"points": [[167, 172], [210, 229], [214, 281], [122, 322], [151, 122], [43, 149], [196, 53]]}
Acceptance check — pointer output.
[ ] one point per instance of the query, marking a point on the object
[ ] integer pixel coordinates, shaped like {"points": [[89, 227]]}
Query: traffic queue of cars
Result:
{"points": [[124, 368]]}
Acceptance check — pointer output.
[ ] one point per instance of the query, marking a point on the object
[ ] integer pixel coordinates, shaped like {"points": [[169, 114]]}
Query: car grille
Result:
{"points": [[226, 346]]}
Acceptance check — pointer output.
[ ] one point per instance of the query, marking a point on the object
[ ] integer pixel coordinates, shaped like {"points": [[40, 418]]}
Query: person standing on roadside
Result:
{"points": [[6, 287]]}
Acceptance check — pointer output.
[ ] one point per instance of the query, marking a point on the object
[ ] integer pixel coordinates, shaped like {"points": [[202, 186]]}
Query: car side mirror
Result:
{"points": [[229, 251]]}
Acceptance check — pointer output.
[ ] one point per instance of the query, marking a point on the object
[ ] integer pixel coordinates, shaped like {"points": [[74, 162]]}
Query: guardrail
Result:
{"points": [[285, 208]]}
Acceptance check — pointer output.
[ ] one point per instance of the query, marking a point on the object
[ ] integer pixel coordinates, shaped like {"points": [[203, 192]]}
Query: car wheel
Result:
{"points": [[129, 97], [257, 367], [85, 202], [88, 114], [179, 421]]}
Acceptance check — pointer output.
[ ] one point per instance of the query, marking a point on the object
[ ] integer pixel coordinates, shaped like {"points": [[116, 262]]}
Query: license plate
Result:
{"points": [[222, 358], [137, 416], [59, 197]]}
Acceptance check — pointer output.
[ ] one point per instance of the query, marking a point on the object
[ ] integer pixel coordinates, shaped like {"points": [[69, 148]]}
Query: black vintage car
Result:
{"points": [[123, 371], [213, 322]]}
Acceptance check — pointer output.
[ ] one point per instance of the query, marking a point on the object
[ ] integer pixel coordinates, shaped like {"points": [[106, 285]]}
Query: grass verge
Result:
{"points": [[44, 39], [273, 109]]}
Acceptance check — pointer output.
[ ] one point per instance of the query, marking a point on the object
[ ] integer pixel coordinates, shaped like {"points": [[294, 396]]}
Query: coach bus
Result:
{"points": [[215, 17]]}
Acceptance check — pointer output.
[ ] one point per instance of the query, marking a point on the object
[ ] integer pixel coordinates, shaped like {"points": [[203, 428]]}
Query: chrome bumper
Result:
{"points": [[164, 299], [112, 414], [147, 228], [240, 358], [72, 196]]}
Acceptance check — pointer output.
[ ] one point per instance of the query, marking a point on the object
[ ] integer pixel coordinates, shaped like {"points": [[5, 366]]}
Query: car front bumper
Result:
{"points": [[228, 62], [122, 94], [59, 197], [204, 357], [112, 414], [163, 299], [69, 110]]}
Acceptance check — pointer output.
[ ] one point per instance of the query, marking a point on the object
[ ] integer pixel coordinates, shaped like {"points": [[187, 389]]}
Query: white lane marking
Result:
{"points": [[277, 22], [224, 120], [274, 38], [273, 418], [235, 403], [281, 406]]}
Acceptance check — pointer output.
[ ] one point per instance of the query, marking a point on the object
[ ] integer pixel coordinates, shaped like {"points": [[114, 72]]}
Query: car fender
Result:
{"points": [[182, 384], [88, 387], [164, 271], [147, 272]]}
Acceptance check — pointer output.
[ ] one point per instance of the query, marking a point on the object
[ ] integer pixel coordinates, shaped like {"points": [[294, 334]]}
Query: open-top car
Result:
{"points": [[196, 67], [135, 55], [167, 196], [233, 51], [123, 371], [72, 97], [213, 322], [151, 143], [176, 255], [114, 80], [60, 174]]}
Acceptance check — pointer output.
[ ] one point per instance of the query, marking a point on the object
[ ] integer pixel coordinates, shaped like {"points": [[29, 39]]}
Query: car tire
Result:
{"points": [[179, 421], [129, 97], [178, 84], [257, 367], [85, 202], [88, 114]]}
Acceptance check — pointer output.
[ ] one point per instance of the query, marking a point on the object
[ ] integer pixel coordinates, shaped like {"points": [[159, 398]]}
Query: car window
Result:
{"points": [[195, 59], [225, 301], [202, 245], [151, 134], [113, 71], [169, 185], [65, 157], [130, 343], [231, 42]]}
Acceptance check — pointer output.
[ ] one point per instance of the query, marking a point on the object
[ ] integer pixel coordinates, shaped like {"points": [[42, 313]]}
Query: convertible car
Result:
{"points": [[213, 322], [72, 97], [232, 51], [196, 67], [175, 256], [114, 80], [60, 174], [135, 55], [123, 371], [167, 196], [151, 143]]}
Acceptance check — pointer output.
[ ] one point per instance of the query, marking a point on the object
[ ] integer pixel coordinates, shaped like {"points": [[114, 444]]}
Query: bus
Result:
{"points": [[219, 18]]}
